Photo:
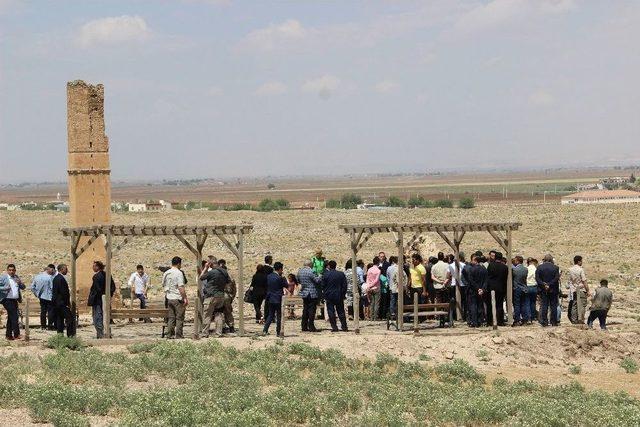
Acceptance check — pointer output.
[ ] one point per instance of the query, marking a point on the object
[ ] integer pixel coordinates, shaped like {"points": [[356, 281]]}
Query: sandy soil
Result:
{"points": [[607, 236]]}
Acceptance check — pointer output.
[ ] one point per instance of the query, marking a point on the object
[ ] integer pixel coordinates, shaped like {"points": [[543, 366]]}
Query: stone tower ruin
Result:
{"points": [[89, 173]]}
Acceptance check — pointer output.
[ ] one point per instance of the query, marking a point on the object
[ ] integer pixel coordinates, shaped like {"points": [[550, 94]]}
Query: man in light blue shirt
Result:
{"points": [[10, 287], [41, 287]]}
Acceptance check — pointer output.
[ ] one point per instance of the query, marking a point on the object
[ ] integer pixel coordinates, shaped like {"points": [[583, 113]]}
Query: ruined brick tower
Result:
{"points": [[89, 172]]}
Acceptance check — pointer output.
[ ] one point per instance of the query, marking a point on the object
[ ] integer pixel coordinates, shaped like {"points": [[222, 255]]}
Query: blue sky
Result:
{"points": [[224, 88]]}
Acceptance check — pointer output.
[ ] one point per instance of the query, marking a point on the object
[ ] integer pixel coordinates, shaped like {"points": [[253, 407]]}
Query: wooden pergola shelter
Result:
{"points": [[129, 232], [451, 233]]}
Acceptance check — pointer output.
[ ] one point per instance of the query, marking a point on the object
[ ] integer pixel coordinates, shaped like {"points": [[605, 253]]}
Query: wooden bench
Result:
{"points": [[144, 313], [429, 310]]}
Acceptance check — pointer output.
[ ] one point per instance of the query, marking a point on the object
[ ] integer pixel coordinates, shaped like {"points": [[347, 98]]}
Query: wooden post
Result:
{"points": [[415, 312], [401, 284], [240, 294], [198, 304], [106, 307], [509, 280], [493, 309], [283, 316], [356, 292], [457, 273], [74, 259], [26, 319], [457, 239]]}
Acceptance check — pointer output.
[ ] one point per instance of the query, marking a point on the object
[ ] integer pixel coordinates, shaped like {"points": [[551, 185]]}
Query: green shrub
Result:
{"points": [[629, 365], [268, 205], [575, 369], [60, 417], [483, 355], [419, 202], [239, 207], [207, 383], [350, 201], [142, 347], [467, 203], [443, 203], [347, 201], [396, 202], [60, 341], [282, 203], [333, 204], [459, 371]]}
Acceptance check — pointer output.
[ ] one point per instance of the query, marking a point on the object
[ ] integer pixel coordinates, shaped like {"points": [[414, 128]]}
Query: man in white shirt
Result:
{"points": [[452, 276], [392, 276], [578, 288], [173, 282], [10, 286], [439, 277], [139, 283]]}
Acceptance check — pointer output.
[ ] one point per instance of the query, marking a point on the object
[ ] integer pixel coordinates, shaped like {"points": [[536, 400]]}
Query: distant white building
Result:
{"points": [[615, 180], [137, 207], [61, 207], [150, 206], [602, 196], [366, 206], [586, 187]]}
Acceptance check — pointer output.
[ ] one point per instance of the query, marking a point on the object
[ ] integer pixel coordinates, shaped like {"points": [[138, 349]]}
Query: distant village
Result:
{"points": [[616, 189]]}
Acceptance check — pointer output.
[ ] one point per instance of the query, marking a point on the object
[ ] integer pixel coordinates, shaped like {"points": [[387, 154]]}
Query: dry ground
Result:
{"points": [[607, 236]]}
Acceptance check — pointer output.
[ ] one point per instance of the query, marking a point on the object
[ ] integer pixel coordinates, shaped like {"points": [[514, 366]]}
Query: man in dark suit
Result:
{"points": [[497, 277], [276, 284], [548, 280], [61, 301], [334, 288], [476, 279], [94, 300]]}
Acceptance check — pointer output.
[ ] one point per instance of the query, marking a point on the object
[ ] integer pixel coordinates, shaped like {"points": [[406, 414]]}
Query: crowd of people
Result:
{"points": [[537, 289]]}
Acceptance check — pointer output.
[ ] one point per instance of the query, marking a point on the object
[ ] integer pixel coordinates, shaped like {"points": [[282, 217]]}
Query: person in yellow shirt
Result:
{"points": [[418, 278]]}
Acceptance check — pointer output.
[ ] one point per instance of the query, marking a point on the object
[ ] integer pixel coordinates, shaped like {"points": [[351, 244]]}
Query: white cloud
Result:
{"points": [[496, 13], [274, 36], [323, 86], [114, 30], [271, 88], [214, 91], [541, 98], [386, 86], [291, 35]]}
